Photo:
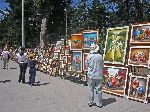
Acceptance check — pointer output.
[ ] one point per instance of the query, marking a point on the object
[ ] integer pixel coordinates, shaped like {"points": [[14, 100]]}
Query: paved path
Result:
{"points": [[53, 94]]}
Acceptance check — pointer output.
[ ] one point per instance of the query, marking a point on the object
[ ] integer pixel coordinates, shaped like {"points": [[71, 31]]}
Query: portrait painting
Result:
{"points": [[89, 38], [69, 59], [114, 80], [77, 61], [65, 59], [85, 68], [140, 34], [115, 45], [138, 88], [139, 56], [76, 41]]}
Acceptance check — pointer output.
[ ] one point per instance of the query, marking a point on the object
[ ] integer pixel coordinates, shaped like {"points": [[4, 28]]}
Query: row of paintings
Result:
{"points": [[115, 81]]}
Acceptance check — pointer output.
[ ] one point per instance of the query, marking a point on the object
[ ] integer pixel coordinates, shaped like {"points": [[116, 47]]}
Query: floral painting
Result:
{"points": [[89, 38], [140, 34], [114, 80], [115, 45], [77, 61]]}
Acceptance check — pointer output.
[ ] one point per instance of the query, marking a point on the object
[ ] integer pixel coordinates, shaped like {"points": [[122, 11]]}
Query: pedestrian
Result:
{"points": [[5, 57], [23, 63], [95, 66], [32, 69]]}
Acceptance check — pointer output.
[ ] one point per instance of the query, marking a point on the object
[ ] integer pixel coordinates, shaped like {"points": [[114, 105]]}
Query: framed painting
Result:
{"points": [[84, 59], [139, 56], [138, 88], [67, 50], [62, 50], [140, 34], [65, 59], [62, 42], [89, 38], [56, 55], [115, 45], [77, 61], [69, 68], [76, 42], [61, 56], [114, 80], [140, 71], [68, 43], [69, 59], [61, 64]]}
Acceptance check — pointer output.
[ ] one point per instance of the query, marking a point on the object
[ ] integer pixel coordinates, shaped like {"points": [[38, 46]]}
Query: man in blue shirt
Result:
{"points": [[95, 66]]}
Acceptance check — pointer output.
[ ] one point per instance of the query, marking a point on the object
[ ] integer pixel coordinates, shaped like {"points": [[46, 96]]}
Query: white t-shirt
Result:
{"points": [[5, 54], [23, 58]]}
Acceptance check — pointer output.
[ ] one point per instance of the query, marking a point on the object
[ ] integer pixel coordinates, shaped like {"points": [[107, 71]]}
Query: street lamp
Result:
{"points": [[23, 38]]}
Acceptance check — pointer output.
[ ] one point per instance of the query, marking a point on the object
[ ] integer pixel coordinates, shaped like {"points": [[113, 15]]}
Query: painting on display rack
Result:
{"points": [[115, 45], [114, 80], [140, 34], [77, 61], [139, 56], [76, 42], [67, 50], [84, 59], [89, 38], [138, 88]]}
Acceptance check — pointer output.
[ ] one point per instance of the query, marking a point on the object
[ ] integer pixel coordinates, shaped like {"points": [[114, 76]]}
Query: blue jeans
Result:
{"points": [[32, 73], [95, 84]]}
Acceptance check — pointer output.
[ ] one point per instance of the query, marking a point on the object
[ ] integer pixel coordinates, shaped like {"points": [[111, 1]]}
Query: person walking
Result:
{"points": [[23, 63], [95, 66], [5, 57]]}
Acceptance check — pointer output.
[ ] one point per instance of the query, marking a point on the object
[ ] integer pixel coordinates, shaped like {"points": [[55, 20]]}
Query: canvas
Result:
{"points": [[76, 42], [140, 34], [69, 59], [69, 67], [114, 80], [115, 45], [64, 59], [89, 38], [77, 61], [85, 68], [67, 50], [139, 56], [61, 56], [138, 88]]}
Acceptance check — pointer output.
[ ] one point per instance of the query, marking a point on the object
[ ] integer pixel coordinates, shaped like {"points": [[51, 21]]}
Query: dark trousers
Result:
{"points": [[32, 73], [23, 67]]}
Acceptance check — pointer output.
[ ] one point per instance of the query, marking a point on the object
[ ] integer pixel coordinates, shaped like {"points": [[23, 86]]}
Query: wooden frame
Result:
{"points": [[115, 45], [140, 34], [84, 59], [77, 61], [87, 38], [67, 50], [76, 42], [69, 59], [135, 92], [114, 80], [139, 56]]}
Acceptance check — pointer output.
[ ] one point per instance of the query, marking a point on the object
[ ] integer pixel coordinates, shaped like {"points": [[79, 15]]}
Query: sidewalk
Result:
{"points": [[53, 94]]}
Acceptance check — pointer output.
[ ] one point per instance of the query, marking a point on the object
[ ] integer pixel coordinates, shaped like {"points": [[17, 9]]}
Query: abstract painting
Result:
{"points": [[115, 45]]}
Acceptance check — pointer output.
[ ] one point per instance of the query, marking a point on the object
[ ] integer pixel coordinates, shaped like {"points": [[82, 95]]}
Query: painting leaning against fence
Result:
{"points": [[115, 45]]}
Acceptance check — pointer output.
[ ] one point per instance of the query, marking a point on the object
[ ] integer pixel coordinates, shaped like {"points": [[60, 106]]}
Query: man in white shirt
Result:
{"points": [[23, 63], [5, 56]]}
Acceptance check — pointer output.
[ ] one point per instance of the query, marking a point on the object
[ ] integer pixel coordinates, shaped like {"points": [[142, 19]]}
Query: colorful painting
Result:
{"points": [[67, 50], [115, 45], [139, 56], [140, 34], [138, 88], [77, 61], [114, 80], [69, 59], [140, 71], [84, 59], [89, 38], [76, 42]]}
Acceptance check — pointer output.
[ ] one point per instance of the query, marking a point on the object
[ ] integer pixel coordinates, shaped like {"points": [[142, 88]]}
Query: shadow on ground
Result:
{"points": [[108, 101], [39, 84], [5, 81]]}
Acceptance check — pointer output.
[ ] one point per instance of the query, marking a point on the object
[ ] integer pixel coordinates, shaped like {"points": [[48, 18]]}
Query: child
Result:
{"points": [[32, 70]]}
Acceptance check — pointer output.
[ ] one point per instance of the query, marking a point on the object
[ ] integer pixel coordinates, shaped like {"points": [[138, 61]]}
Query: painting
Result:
{"points": [[65, 59], [62, 42], [56, 55], [76, 42], [140, 71], [69, 59], [77, 61], [139, 56], [115, 45], [62, 50], [114, 80], [61, 64], [140, 34], [69, 67], [67, 50], [138, 88], [89, 38], [61, 56], [84, 59]]}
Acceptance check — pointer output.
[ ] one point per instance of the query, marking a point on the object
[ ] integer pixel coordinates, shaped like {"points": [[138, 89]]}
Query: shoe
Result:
{"points": [[90, 104], [99, 106]]}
